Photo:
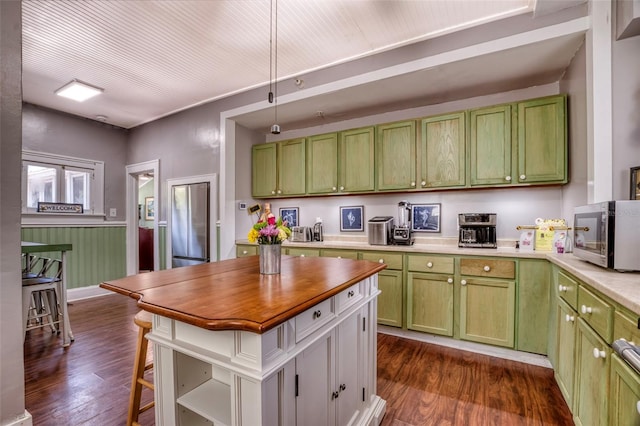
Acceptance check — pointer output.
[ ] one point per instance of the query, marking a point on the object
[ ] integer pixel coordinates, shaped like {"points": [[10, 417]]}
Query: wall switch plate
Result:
{"points": [[242, 205], [112, 212]]}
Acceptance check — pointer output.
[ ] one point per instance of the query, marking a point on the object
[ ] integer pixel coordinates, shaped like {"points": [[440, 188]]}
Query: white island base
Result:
{"points": [[317, 368]]}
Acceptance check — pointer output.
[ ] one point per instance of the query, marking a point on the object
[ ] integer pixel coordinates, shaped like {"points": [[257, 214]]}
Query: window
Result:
{"points": [[59, 179]]}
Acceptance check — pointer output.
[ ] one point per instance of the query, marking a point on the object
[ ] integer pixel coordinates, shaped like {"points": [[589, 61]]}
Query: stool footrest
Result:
{"points": [[146, 384]]}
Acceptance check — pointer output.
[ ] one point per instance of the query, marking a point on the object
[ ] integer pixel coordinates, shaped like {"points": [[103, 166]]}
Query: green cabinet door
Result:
{"points": [[565, 349], [342, 254], [246, 250], [322, 164], [625, 394], [356, 160], [533, 305], [490, 146], [430, 303], [291, 167], [542, 140], [591, 400], [396, 156], [263, 170], [390, 298], [487, 311], [443, 151]]}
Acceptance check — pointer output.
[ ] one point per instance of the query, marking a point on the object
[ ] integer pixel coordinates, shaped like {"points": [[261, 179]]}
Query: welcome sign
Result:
{"points": [[59, 208]]}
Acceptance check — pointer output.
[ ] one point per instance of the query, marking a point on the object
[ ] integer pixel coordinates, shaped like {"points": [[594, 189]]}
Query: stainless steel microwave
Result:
{"points": [[608, 234]]}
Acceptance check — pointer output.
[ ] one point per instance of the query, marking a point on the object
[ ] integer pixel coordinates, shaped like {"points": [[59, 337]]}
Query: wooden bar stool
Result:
{"points": [[143, 321]]}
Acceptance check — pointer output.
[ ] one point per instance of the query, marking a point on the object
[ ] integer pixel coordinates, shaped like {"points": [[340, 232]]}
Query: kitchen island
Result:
{"points": [[234, 347]]}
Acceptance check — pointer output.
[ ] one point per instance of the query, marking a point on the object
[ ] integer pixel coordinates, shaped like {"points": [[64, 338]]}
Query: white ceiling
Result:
{"points": [[154, 58]]}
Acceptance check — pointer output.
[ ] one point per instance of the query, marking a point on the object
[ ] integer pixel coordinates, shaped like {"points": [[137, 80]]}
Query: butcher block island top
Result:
{"points": [[233, 295]]}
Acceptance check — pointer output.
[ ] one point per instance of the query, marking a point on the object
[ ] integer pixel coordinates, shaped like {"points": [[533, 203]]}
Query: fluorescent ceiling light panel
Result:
{"points": [[78, 91]]}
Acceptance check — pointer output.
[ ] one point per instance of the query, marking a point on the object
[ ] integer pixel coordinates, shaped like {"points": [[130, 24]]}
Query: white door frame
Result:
{"points": [[133, 171], [212, 179]]}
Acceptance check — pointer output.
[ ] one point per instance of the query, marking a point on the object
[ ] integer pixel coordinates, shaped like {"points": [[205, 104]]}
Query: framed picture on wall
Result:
{"points": [[149, 208], [425, 217], [351, 218], [290, 215], [635, 183]]}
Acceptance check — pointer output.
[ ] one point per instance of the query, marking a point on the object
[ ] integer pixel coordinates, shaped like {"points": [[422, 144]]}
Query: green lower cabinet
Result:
{"points": [[624, 403], [565, 331], [430, 303], [487, 311], [390, 298], [533, 305], [591, 378]]}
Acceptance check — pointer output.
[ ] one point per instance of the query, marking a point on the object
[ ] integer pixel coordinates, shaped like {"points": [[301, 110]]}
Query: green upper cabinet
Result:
{"points": [[542, 140], [322, 164], [396, 156], [443, 151], [356, 160], [278, 169], [291, 167], [490, 146], [263, 174]]}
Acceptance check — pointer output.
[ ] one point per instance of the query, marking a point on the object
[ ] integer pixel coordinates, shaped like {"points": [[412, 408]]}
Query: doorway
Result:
{"points": [[143, 214]]}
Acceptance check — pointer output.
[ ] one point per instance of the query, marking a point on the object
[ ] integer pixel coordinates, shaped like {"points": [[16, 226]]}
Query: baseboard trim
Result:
{"points": [[510, 354], [24, 420], [88, 292]]}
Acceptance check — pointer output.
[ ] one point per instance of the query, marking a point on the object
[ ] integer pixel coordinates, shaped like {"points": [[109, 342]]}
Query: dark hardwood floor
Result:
{"points": [[88, 382]]}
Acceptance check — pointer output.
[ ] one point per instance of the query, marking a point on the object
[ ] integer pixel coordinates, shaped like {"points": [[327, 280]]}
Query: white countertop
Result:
{"points": [[621, 287]]}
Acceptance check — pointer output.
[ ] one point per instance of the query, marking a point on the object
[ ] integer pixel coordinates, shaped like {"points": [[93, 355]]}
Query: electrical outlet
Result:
{"points": [[242, 205], [113, 212]]}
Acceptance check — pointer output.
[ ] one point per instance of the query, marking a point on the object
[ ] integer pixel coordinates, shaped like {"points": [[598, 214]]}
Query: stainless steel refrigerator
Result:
{"points": [[190, 224]]}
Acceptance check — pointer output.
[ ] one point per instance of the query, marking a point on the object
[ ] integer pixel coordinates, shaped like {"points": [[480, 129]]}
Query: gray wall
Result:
{"points": [[626, 113], [11, 337], [46, 130]]}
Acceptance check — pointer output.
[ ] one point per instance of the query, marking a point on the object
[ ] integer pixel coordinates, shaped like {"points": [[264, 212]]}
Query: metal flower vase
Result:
{"points": [[270, 258]]}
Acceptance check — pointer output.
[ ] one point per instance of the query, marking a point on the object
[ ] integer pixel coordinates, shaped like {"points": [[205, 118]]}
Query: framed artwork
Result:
{"points": [[425, 217], [351, 218], [290, 215], [149, 208], [635, 183]]}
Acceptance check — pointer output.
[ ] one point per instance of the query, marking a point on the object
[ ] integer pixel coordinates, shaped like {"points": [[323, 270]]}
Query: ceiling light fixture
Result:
{"points": [[78, 91], [273, 65]]}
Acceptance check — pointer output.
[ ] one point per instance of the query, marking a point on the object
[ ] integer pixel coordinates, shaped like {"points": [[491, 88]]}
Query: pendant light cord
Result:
{"points": [[276, 66]]}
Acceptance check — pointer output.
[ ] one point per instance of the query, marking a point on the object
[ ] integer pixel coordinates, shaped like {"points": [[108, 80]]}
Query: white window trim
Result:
{"points": [[97, 184]]}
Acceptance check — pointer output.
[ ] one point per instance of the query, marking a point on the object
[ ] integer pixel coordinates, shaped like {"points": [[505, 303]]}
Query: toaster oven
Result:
{"points": [[301, 234]]}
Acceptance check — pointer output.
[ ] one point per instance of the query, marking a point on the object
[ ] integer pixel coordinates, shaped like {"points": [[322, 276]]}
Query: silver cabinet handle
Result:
{"points": [[317, 314], [570, 318], [463, 282], [350, 294], [562, 287], [586, 309]]}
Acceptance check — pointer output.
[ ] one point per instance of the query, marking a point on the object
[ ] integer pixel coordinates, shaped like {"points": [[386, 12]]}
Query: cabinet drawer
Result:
{"points": [[303, 252], [436, 264], [488, 268], [393, 260], [244, 251], [348, 297], [344, 254], [625, 326], [596, 312], [314, 318], [568, 290]]}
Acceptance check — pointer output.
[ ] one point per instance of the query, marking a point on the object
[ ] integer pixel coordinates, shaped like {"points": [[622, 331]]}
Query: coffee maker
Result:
{"points": [[317, 232], [402, 233]]}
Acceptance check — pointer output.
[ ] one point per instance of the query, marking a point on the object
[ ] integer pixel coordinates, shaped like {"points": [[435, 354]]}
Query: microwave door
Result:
{"points": [[588, 232]]}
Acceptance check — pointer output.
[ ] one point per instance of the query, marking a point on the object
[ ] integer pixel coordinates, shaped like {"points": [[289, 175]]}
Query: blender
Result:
{"points": [[402, 233]]}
